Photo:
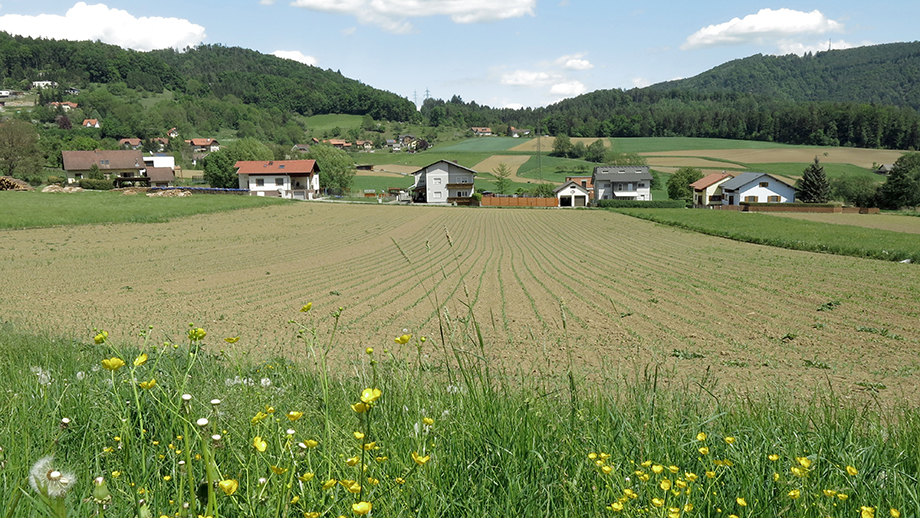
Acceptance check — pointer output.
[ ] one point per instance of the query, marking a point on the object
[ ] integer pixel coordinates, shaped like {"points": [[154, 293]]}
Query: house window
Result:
{"points": [[260, 182], [640, 185], [279, 182], [773, 199], [750, 199], [104, 162], [764, 184], [436, 181], [715, 198], [437, 195], [584, 183]]}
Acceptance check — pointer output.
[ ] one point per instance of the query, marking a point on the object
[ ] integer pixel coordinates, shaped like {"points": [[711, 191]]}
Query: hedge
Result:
{"points": [[639, 204], [97, 185]]}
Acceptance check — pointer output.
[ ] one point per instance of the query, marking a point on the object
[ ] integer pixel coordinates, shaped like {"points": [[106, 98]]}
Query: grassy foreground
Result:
{"points": [[32, 209], [764, 229], [175, 427]]}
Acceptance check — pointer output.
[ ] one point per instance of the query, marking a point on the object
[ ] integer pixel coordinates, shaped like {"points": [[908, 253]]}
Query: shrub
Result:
{"points": [[97, 185], [651, 204], [56, 179]]}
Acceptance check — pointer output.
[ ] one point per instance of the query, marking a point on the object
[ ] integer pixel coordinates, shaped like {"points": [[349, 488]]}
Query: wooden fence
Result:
{"points": [[518, 201]]}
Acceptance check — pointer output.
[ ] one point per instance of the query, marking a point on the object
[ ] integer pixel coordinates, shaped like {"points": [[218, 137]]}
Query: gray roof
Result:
{"points": [[104, 159], [569, 184], [449, 163], [622, 173], [745, 178]]}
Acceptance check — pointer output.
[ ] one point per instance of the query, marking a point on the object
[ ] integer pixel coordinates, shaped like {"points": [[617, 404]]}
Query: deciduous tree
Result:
{"points": [[336, 168], [20, 155], [679, 183]]}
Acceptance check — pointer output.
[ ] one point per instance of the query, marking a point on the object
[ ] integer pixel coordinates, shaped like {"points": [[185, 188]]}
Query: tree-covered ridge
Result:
{"points": [[881, 74], [205, 71]]}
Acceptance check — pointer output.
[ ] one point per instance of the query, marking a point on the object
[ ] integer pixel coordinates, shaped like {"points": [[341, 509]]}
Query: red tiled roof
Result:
{"points": [[201, 141], [90, 122], [131, 141], [709, 180], [289, 167]]}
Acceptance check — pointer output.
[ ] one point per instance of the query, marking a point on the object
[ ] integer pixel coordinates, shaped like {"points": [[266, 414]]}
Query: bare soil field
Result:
{"points": [[839, 155], [893, 222], [546, 143], [634, 295], [391, 168], [514, 162], [675, 162]]}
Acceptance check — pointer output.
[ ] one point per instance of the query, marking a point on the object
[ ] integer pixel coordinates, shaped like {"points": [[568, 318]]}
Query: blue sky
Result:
{"points": [[496, 52]]}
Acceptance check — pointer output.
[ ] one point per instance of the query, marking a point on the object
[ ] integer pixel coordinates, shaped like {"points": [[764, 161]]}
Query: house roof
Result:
{"points": [[448, 162], [622, 172], [568, 185], [120, 159], [202, 141], [274, 167], [709, 180], [160, 174], [131, 141], [90, 122], [745, 178]]}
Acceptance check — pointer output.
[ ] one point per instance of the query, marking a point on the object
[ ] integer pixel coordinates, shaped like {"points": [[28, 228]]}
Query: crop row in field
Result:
{"points": [[628, 289]]}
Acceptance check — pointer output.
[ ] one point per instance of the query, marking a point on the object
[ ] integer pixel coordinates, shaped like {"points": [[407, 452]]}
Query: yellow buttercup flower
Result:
{"points": [[147, 384], [852, 471], [232, 339], [359, 435], [101, 337], [829, 492], [310, 443], [353, 461], [704, 450], [866, 512], [741, 501], [404, 339], [279, 471], [400, 480], [804, 461], [294, 415], [710, 474], [607, 470], [359, 407], [259, 444], [307, 307], [797, 471], [657, 469], [630, 493], [430, 422], [842, 496], [113, 364], [701, 436], [312, 514], [773, 457], [258, 417], [329, 484], [369, 350], [361, 508], [228, 486], [306, 477], [616, 506], [673, 469], [420, 460], [657, 502], [691, 476], [370, 446], [730, 440], [795, 493], [140, 360], [196, 334], [665, 485], [895, 513], [369, 395]]}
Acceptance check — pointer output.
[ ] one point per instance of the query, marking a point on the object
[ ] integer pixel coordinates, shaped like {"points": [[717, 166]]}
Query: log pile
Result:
{"points": [[12, 184]]}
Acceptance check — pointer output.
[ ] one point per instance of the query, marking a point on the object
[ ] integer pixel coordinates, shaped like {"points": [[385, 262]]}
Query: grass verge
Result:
{"points": [[764, 229]]}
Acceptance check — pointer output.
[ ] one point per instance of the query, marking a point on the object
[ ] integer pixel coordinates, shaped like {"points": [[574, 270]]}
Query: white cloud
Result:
{"points": [[795, 47], [349, 31], [267, 2], [767, 26], [568, 89], [392, 15], [574, 62], [528, 78], [295, 55], [640, 82], [114, 26]]}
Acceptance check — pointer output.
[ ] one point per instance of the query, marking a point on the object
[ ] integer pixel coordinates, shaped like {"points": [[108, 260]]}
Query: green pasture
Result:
{"points": [[484, 144], [653, 144], [420, 159], [37, 209], [554, 168], [317, 124], [830, 169], [381, 183], [765, 229]]}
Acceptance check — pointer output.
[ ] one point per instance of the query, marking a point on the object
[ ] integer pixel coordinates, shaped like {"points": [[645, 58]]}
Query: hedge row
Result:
{"points": [[639, 204], [97, 185]]}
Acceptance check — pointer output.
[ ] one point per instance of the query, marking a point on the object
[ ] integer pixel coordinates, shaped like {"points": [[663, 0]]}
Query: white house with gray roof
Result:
{"points": [[442, 183], [757, 188], [622, 182]]}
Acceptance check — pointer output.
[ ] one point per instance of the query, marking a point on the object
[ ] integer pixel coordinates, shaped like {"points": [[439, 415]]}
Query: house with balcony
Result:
{"points": [[443, 183], [708, 189], [758, 188], [121, 166], [291, 179], [622, 182]]}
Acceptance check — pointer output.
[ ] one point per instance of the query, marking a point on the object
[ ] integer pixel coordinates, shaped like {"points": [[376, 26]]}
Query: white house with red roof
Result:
{"points": [[291, 179], [708, 189]]}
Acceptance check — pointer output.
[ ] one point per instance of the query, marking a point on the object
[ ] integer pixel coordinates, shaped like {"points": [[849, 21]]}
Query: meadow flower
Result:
{"points": [[895, 513], [353, 461], [196, 334], [673, 469], [852, 471], [795, 493], [370, 395], [232, 339], [797, 471], [359, 407], [657, 469], [361, 508], [140, 360], [369, 350], [329, 484], [259, 444], [701, 436], [100, 337], [113, 364], [228, 486], [710, 474], [147, 385], [829, 492], [307, 307], [306, 477], [265, 382], [665, 485], [704, 450], [260, 415], [805, 462], [730, 440], [842, 496], [866, 512], [310, 443], [691, 476], [44, 377], [404, 339], [773, 457], [358, 435], [741, 501], [48, 481], [657, 502], [312, 514], [278, 470], [420, 460], [616, 506], [430, 422], [101, 494]]}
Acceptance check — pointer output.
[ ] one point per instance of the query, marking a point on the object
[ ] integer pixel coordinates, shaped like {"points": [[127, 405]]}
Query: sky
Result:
{"points": [[500, 53]]}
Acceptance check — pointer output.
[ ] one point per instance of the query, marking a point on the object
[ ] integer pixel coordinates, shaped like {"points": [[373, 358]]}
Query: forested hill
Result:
{"points": [[263, 80], [880, 74]]}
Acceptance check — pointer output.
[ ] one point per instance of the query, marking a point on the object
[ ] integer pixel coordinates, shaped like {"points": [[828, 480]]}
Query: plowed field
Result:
{"points": [[634, 293]]}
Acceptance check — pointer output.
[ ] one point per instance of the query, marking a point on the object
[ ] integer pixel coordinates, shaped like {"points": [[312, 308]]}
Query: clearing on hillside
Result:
{"points": [[632, 293]]}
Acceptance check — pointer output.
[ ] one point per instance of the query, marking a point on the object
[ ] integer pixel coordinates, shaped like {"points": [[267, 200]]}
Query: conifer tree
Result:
{"points": [[814, 187]]}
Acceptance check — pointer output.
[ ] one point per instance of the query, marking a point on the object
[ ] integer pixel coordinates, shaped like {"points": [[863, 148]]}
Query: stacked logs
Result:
{"points": [[12, 184]]}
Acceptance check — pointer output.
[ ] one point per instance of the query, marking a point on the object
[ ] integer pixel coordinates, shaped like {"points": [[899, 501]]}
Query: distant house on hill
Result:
{"points": [[301, 148], [130, 143], [66, 105], [443, 183], [112, 164], [619, 182], [201, 147], [757, 188], [708, 189], [90, 123], [481, 131], [292, 179], [884, 169]]}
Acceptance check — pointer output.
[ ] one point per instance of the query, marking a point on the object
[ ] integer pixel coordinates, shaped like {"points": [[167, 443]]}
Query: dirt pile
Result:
{"points": [[58, 188], [169, 194]]}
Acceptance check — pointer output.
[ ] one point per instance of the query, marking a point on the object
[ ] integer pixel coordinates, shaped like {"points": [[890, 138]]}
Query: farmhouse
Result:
{"points": [[90, 123], [130, 143], [481, 131], [571, 194], [708, 189], [622, 182], [443, 182], [291, 179], [113, 164], [757, 188]]}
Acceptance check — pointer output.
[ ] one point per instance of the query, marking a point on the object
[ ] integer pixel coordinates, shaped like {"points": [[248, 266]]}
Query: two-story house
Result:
{"points": [[622, 182], [443, 182], [114, 165], [708, 189], [757, 188], [292, 179]]}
